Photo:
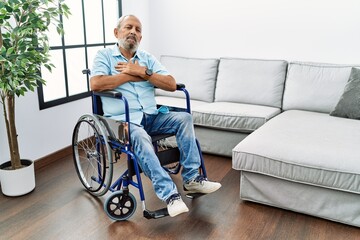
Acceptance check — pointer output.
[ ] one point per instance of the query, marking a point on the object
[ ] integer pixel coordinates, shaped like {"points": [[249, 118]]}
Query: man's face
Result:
{"points": [[129, 33]]}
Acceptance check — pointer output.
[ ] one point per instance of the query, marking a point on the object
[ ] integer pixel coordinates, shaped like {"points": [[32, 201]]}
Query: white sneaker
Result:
{"points": [[201, 185], [175, 205]]}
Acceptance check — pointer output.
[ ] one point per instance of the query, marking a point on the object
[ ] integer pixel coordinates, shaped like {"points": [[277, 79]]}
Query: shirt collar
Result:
{"points": [[116, 52]]}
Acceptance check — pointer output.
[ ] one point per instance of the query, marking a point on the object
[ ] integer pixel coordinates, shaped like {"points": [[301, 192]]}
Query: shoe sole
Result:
{"points": [[178, 213], [201, 192]]}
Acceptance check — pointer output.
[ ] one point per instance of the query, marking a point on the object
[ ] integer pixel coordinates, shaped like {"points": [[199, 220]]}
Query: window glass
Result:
{"points": [[73, 26], [54, 37], [75, 62], [55, 86], [110, 20], [94, 21]]}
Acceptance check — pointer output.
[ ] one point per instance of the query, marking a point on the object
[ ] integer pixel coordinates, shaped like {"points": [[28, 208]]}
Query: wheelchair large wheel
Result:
{"points": [[92, 155], [120, 206]]}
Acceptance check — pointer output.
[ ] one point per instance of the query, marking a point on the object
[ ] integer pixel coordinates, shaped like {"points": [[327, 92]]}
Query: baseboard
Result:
{"points": [[53, 157]]}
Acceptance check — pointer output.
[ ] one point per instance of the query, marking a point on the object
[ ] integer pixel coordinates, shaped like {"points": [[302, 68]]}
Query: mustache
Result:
{"points": [[131, 37]]}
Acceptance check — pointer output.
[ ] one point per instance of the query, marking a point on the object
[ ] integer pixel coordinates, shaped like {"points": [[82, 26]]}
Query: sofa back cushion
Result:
{"points": [[314, 86], [251, 81], [198, 75]]}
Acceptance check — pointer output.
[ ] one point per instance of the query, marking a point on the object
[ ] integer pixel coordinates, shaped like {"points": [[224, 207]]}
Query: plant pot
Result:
{"points": [[17, 182]]}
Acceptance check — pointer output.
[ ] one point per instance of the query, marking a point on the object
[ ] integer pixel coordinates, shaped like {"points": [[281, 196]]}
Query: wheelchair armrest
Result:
{"points": [[109, 93], [116, 94], [179, 86], [96, 101]]}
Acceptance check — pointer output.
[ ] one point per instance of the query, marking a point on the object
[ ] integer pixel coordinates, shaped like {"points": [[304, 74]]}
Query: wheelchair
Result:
{"points": [[98, 143]]}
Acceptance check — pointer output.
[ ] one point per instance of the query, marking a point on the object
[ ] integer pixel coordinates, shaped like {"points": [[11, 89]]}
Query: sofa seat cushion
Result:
{"points": [[306, 147], [230, 116], [177, 102]]}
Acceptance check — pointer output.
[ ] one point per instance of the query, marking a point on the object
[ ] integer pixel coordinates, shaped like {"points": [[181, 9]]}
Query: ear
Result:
{"points": [[116, 32]]}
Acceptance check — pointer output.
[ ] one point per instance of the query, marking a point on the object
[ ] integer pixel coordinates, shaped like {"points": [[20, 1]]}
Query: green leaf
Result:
{"points": [[25, 44], [10, 51], [48, 67], [8, 8]]}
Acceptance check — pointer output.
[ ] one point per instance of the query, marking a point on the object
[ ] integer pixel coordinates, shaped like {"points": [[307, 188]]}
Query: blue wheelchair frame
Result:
{"points": [[121, 186]]}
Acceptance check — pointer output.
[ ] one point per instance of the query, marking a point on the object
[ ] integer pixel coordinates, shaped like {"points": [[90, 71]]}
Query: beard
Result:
{"points": [[128, 45]]}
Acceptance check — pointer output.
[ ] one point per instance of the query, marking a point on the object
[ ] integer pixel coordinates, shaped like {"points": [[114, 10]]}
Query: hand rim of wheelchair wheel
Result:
{"points": [[80, 173], [120, 206], [106, 156]]}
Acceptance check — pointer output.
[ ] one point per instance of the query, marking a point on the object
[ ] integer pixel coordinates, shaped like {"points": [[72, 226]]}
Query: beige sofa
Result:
{"points": [[273, 118], [226, 106]]}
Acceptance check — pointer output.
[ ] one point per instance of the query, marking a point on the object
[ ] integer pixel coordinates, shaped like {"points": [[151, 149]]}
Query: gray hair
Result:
{"points": [[122, 18]]}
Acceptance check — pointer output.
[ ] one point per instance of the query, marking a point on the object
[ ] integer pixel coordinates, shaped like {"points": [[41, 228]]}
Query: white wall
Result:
{"points": [[305, 30]]}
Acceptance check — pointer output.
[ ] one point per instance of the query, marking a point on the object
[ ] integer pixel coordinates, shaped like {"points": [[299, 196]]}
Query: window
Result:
{"points": [[88, 29]]}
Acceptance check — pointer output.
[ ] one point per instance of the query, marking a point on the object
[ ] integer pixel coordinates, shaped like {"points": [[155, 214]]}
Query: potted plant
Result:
{"points": [[24, 47]]}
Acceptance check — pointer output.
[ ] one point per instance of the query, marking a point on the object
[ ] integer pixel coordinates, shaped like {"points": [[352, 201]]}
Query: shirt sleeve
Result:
{"points": [[157, 67], [101, 65]]}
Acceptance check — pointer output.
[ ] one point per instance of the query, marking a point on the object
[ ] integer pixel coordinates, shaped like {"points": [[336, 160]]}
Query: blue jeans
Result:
{"points": [[178, 123]]}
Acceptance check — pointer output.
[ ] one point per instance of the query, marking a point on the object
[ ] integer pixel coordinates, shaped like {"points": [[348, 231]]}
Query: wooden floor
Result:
{"points": [[59, 208]]}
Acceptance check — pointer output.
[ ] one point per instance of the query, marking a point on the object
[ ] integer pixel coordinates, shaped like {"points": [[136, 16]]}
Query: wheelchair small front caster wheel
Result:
{"points": [[120, 206]]}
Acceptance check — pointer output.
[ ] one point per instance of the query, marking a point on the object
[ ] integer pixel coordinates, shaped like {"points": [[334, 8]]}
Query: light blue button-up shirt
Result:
{"points": [[140, 95]]}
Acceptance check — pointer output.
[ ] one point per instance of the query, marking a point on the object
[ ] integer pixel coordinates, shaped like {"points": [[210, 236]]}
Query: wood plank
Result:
{"points": [[59, 208]]}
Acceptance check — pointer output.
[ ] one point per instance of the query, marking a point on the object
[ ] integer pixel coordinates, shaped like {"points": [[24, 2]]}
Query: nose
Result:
{"points": [[133, 31]]}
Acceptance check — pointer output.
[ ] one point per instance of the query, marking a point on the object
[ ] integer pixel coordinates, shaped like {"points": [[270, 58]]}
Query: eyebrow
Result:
{"points": [[131, 25]]}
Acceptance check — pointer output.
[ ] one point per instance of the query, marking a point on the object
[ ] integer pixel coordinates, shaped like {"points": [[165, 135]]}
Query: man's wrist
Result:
{"points": [[148, 72]]}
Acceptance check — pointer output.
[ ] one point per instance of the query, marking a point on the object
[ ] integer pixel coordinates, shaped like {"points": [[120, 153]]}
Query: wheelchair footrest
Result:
{"points": [[156, 214]]}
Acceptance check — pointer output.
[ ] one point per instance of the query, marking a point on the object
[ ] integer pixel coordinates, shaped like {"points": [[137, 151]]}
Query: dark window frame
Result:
{"points": [[70, 98]]}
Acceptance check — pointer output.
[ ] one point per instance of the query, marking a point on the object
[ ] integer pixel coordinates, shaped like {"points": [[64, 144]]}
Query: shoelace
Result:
{"points": [[200, 179], [173, 198]]}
